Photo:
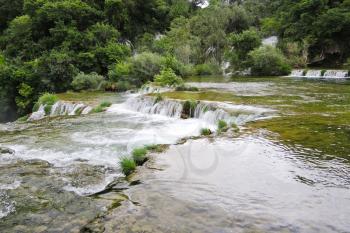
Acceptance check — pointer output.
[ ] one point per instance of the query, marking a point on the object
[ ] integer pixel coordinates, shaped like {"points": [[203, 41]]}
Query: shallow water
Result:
{"points": [[288, 170]]}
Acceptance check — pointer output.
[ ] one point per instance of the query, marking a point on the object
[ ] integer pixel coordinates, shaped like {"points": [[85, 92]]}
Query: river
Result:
{"points": [[287, 170]]}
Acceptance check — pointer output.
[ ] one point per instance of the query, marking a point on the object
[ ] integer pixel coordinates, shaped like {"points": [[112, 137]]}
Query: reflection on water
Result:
{"points": [[239, 185]]}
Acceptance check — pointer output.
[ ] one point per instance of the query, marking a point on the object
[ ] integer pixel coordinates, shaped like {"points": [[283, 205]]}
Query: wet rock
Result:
{"points": [[4, 150]]}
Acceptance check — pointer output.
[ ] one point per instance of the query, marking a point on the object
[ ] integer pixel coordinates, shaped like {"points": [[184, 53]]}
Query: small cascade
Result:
{"points": [[150, 105], [313, 74], [335, 74], [209, 113], [61, 108], [65, 108], [40, 114], [297, 73], [328, 74]]}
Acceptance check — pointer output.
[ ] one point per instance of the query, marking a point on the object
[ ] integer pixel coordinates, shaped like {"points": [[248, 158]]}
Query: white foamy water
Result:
{"points": [[297, 73], [6, 205], [61, 108]]}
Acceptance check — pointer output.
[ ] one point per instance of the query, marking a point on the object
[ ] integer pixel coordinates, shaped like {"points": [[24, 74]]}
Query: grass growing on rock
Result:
{"points": [[127, 165], [139, 155], [206, 132], [105, 104], [222, 126], [101, 107], [47, 99]]}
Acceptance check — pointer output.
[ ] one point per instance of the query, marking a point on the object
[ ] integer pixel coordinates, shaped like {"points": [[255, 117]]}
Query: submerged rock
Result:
{"points": [[5, 150]]}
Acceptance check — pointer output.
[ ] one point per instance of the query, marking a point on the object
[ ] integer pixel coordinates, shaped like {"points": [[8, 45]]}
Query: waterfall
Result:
{"points": [[65, 108], [314, 74], [297, 73], [335, 74], [210, 112], [40, 114], [329, 74], [150, 105], [61, 108], [271, 41]]}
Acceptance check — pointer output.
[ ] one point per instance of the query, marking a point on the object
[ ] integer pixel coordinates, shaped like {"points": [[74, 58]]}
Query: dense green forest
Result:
{"points": [[115, 45]]}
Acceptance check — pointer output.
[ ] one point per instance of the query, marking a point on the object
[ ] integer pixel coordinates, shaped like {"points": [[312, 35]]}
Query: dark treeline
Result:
{"points": [[60, 45]]}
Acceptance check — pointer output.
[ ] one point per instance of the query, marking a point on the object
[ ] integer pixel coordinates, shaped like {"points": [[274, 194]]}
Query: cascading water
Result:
{"points": [[209, 112], [297, 73], [313, 74], [150, 105], [335, 74], [61, 108]]}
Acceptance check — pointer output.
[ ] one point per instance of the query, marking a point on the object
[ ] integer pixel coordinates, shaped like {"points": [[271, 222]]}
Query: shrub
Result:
{"points": [[145, 66], [119, 71], [127, 165], [205, 132], [139, 155], [207, 69], [167, 77], [46, 99], [222, 126], [268, 60], [84, 81]]}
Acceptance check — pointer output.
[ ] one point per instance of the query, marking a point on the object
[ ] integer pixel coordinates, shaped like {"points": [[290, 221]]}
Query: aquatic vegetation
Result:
{"points": [[127, 165], [189, 107], [101, 107], [139, 155], [222, 126], [206, 132], [105, 104], [159, 98], [98, 109]]}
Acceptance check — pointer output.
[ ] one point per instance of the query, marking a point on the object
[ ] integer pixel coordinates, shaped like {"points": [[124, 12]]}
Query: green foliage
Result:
{"points": [[145, 66], [102, 107], [48, 100], [242, 44], [207, 69], [268, 60], [139, 155], [189, 107], [90, 81], [167, 77], [105, 104], [159, 98], [206, 132], [119, 71], [222, 126], [127, 165]]}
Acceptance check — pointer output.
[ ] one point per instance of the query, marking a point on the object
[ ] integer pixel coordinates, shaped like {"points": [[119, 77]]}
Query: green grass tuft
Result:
{"points": [[222, 126], [105, 104], [205, 132], [139, 155], [127, 165]]}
